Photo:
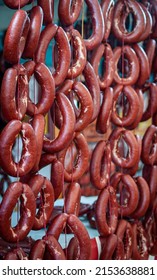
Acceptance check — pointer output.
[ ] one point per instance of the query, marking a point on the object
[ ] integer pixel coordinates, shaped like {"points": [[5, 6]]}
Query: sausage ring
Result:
{"points": [[57, 177], [150, 226], [140, 243], [72, 249], [100, 165], [67, 129], [149, 174], [130, 139], [121, 12], [153, 11], [79, 54], [98, 25], [113, 248], [15, 191], [42, 185], [149, 23], [14, 88], [64, 54], [38, 124], [104, 116], [47, 248], [77, 228], [150, 52], [48, 10], [133, 101], [92, 84], [83, 114], [134, 68], [106, 200], [149, 146], [104, 50], [151, 109], [129, 194], [46, 81], [36, 19], [72, 199], [108, 12], [144, 65], [29, 151], [144, 201], [124, 232], [81, 161], [57, 225], [47, 34], [86, 111], [69, 11], [16, 35], [132, 170], [139, 114]]}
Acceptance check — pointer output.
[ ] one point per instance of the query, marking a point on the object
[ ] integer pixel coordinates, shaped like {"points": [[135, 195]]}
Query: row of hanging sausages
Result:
{"points": [[124, 213]]}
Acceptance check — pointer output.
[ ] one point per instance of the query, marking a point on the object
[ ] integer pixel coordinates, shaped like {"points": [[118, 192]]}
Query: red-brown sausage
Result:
{"points": [[124, 232], [14, 88], [80, 163], [72, 199], [77, 228], [104, 50], [38, 124], [151, 109], [57, 177], [139, 114], [134, 69], [97, 24], [144, 198], [86, 112], [108, 11], [140, 243], [48, 10], [133, 101], [106, 200], [47, 248], [130, 139], [79, 56], [67, 129], [15, 191], [104, 116], [113, 248], [64, 54], [29, 151], [121, 11], [149, 174], [82, 235], [16, 3], [129, 198], [42, 185], [46, 81], [144, 65], [100, 165], [149, 23], [16, 35], [36, 20], [92, 84], [69, 11], [149, 146]]}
